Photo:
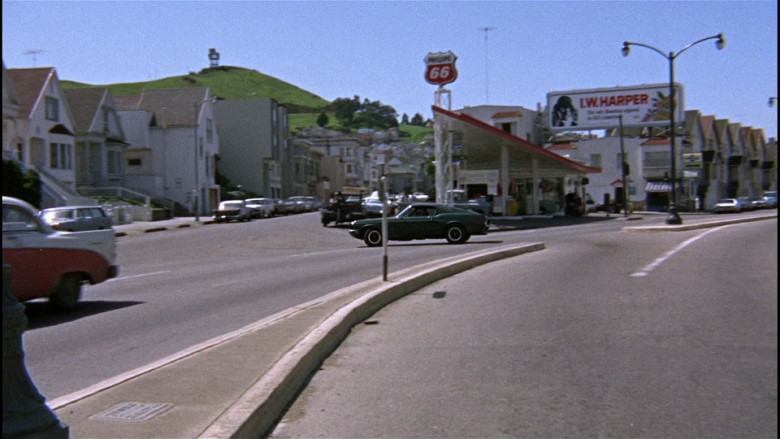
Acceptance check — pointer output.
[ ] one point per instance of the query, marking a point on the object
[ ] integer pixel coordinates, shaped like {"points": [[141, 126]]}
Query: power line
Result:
{"points": [[486, 29]]}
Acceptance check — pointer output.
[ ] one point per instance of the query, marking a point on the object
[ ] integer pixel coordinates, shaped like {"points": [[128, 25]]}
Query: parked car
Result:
{"points": [[727, 205], [294, 205], [771, 199], [422, 221], [744, 203], [280, 207], [260, 207], [47, 263], [232, 210], [77, 218], [373, 207], [306, 201], [757, 203]]}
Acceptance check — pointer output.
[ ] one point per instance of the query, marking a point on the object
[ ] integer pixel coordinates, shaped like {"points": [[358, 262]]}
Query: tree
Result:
{"points": [[418, 120], [23, 185], [353, 113], [405, 119], [344, 110], [322, 119]]}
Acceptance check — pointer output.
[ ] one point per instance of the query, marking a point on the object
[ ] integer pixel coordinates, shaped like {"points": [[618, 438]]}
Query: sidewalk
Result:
{"points": [[239, 384]]}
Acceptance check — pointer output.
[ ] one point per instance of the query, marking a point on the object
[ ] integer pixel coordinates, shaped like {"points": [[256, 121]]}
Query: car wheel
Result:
{"points": [[456, 234], [68, 292], [372, 238]]}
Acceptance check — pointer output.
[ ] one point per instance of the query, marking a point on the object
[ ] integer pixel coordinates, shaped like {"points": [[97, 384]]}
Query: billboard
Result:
{"points": [[641, 105]]}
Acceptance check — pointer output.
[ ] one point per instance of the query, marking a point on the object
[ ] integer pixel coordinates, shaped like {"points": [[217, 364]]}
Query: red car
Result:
{"points": [[49, 263]]}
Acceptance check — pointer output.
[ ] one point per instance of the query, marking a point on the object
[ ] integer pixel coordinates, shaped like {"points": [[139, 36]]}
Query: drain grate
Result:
{"points": [[132, 411]]}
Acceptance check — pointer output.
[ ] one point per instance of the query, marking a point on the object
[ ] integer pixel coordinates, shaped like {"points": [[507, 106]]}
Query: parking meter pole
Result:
{"points": [[25, 413]]}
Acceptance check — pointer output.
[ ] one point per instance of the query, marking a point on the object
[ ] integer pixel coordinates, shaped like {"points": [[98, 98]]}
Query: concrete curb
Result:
{"points": [[703, 225], [261, 406]]}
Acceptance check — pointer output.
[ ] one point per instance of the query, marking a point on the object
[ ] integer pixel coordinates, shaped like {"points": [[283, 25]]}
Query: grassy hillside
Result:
{"points": [[236, 82], [228, 83]]}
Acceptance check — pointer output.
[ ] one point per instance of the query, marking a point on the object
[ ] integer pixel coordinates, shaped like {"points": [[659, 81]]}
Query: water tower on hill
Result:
{"points": [[213, 57]]}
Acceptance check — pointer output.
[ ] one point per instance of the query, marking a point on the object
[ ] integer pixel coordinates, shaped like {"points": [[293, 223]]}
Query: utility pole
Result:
{"points": [[486, 29]]}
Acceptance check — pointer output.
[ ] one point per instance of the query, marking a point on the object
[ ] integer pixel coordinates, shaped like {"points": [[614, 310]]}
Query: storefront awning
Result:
{"points": [[658, 186]]}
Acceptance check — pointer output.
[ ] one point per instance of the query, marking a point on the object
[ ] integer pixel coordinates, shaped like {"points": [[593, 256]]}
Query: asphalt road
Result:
{"points": [[182, 287], [612, 334]]}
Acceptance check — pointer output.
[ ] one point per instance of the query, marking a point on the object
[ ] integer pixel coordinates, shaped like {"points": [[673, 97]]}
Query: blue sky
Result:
{"points": [[375, 49]]}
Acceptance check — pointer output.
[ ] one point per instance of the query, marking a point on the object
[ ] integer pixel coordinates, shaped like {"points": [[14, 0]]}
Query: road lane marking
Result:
{"points": [[651, 266], [154, 273]]}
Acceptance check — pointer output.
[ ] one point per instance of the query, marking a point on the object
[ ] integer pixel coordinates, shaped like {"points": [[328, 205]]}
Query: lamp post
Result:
{"points": [[673, 217]]}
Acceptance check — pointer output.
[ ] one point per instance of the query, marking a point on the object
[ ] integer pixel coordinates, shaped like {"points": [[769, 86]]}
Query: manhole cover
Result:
{"points": [[132, 411]]}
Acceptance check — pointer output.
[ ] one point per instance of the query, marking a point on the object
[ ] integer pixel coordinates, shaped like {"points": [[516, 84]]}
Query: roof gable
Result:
{"points": [[29, 85], [85, 104], [174, 106]]}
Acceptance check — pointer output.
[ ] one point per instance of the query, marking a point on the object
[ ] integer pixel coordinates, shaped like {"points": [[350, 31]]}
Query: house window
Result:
{"points": [[53, 154], [52, 109], [113, 162], [133, 162], [59, 155]]}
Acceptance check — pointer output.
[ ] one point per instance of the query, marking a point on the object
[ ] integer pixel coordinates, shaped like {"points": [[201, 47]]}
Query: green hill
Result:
{"points": [[228, 83]]}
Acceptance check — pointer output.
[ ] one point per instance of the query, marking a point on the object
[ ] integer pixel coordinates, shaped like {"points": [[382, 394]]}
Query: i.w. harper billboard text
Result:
{"points": [[642, 105]]}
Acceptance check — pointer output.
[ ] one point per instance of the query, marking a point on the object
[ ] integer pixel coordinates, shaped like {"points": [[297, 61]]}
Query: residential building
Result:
{"points": [[42, 138], [176, 160], [99, 139], [343, 159], [253, 144]]}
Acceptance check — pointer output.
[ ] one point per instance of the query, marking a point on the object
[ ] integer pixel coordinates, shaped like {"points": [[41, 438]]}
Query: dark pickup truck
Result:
{"points": [[343, 208]]}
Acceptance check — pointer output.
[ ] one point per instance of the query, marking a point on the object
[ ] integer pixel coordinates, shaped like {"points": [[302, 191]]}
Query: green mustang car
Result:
{"points": [[422, 221]]}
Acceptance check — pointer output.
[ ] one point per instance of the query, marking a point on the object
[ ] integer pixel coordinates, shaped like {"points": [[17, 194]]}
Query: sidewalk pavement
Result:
{"points": [[239, 384]]}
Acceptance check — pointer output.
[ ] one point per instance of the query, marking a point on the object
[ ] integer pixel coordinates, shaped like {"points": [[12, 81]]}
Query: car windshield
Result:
{"points": [[728, 201]]}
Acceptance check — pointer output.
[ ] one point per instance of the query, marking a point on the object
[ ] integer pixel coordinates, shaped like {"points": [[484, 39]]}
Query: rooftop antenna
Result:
{"points": [[34, 53], [486, 29]]}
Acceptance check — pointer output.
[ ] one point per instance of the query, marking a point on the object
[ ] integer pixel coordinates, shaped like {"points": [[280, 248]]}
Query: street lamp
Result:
{"points": [[673, 217]]}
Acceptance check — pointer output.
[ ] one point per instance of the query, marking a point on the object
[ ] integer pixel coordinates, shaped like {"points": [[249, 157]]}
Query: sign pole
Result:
{"points": [[623, 166], [440, 70], [383, 199]]}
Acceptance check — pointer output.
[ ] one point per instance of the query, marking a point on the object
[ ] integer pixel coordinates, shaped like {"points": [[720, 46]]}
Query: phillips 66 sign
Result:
{"points": [[440, 68]]}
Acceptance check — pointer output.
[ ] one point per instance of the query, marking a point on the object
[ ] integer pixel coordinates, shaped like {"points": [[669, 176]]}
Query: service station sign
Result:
{"points": [[440, 68], [642, 105]]}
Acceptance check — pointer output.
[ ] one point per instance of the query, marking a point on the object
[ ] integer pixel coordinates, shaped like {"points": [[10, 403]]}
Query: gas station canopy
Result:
{"points": [[481, 145]]}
